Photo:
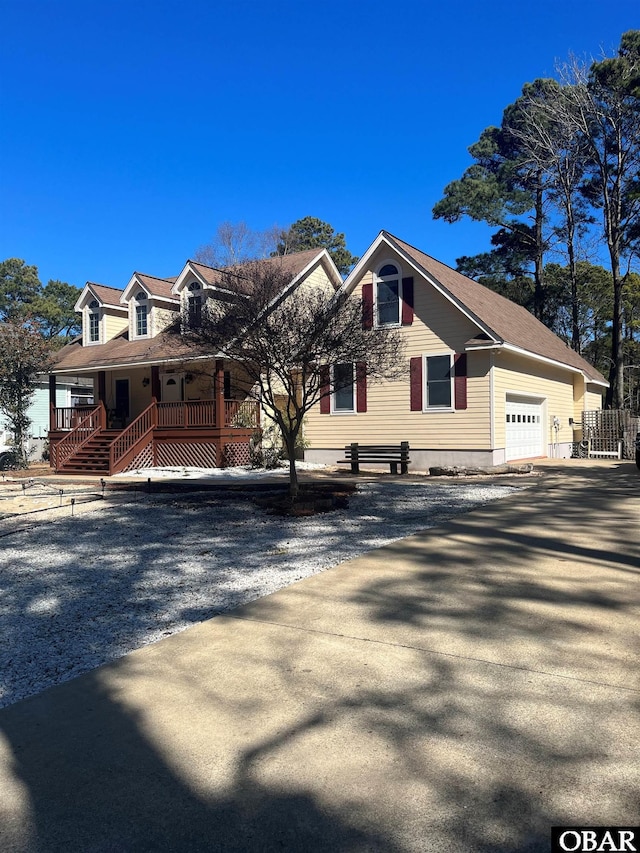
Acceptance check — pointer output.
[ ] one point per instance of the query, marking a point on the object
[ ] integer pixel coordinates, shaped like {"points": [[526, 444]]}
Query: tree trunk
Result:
{"points": [[19, 450], [293, 473], [616, 391], [539, 297], [573, 277]]}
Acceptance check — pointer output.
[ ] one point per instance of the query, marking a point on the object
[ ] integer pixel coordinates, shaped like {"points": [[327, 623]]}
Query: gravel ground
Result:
{"points": [[82, 591]]}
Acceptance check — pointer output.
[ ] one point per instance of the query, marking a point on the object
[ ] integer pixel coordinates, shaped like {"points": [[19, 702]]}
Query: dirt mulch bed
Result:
{"points": [[313, 498]]}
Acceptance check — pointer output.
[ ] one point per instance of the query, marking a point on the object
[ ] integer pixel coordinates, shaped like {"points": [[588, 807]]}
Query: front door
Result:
{"points": [[172, 387], [122, 399]]}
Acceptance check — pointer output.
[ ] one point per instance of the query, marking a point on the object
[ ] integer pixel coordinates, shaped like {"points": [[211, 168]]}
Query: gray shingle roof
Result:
{"points": [[106, 295], [158, 286]]}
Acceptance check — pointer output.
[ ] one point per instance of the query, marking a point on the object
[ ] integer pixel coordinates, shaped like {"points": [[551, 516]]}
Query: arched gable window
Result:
{"points": [[94, 322], [388, 295], [142, 314], [194, 305]]}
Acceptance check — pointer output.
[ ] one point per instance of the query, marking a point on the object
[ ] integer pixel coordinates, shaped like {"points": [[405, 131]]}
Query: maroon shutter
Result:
{"points": [[367, 306], [325, 399], [407, 301], [361, 387], [415, 373], [460, 380]]}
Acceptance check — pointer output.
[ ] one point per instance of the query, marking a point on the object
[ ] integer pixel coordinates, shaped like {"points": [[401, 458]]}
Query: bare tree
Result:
{"points": [[288, 340], [604, 108], [235, 243], [548, 142]]}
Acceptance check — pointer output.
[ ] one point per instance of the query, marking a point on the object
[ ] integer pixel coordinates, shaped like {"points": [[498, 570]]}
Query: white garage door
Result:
{"points": [[523, 428]]}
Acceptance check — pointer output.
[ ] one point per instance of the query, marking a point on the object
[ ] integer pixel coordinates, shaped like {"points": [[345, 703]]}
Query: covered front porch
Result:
{"points": [[116, 434]]}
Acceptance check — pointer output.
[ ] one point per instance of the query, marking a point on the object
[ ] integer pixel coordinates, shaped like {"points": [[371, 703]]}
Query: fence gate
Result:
{"points": [[609, 433]]}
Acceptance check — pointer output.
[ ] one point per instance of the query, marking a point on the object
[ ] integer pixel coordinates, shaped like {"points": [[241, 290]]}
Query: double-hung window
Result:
{"points": [[94, 322], [343, 388], [439, 379], [142, 315], [194, 305], [438, 382], [387, 296]]}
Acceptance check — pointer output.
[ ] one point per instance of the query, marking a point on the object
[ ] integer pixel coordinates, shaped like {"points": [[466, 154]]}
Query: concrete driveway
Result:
{"points": [[460, 690]]}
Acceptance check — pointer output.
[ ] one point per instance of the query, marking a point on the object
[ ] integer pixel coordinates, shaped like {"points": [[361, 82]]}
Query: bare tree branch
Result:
{"points": [[287, 339]]}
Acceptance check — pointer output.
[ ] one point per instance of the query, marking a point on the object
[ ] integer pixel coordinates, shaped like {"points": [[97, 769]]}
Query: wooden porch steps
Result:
{"points": [[93, 457]]}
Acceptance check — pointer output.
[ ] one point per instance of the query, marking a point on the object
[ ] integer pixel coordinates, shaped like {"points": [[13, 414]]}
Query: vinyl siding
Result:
{"points": [[113, 324], [157, 320], [593, 399], [438, 327], [161, 318], [518, 375], [316, 278]]}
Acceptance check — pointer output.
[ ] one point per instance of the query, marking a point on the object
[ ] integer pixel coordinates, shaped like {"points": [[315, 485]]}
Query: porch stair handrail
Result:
{"points": [[93, 423], [132, 439]]}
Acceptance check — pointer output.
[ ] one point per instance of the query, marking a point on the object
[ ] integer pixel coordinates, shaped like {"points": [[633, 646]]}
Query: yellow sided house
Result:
{"points": [[159, 398], [486, 382]]}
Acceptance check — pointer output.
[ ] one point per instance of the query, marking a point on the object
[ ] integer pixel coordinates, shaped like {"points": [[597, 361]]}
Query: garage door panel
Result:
{"points": [[523, 428]]}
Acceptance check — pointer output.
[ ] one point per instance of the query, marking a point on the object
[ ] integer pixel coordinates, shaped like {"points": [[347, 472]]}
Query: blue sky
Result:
{"points": [[129, 129]]}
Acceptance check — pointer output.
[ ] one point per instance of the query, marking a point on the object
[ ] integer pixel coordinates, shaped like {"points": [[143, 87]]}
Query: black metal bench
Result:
{"points": [[394, 454]]}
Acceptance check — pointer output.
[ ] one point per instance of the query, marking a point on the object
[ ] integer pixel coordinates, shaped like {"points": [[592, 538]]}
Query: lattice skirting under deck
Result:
{"points": [[236, 454], [195, 454], [144, 459]]}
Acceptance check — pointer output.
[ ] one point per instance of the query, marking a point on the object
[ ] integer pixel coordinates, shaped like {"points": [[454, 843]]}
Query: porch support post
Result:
{"points": [[219, 393], [102, 397], [102, 387], [155, 381], [52, 401]]}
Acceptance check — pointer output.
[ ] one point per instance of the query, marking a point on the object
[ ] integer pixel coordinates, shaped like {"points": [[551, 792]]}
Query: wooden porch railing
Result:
{"points": [[194, 413], [198, 413], [242, 413], [131, 440], [68, 417], [91, 424]]}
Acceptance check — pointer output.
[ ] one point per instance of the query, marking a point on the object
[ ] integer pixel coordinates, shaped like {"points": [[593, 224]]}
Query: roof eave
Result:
{"points": [[131, 364], [546, 360], [384, 237]]}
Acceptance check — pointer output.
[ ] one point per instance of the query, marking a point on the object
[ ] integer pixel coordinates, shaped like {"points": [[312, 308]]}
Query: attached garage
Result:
{"points": [[524, 427]]}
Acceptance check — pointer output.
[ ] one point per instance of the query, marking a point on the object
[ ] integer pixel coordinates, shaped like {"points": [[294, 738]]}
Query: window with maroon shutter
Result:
{"points": [[361, 387], [444, 385], [367, 306], [460, 380], [387, 302], [407, 301], [325, 400], [415, 379], [344, 391]]}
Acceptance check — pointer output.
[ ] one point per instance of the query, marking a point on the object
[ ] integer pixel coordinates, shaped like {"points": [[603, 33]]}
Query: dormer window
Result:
{"points": [[194, 305], [142, 315], [388, 295], [94, 322]]}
